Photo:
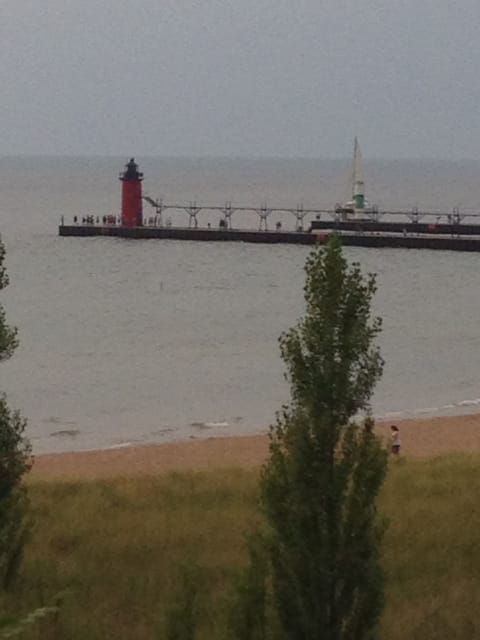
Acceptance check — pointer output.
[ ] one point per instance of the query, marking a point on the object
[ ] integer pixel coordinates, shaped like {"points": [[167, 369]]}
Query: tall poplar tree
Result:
{"points": [[15, 460], [320, 484]]}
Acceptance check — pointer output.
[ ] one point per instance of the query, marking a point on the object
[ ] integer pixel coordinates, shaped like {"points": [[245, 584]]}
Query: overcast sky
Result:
{"points": [[240, 78]]}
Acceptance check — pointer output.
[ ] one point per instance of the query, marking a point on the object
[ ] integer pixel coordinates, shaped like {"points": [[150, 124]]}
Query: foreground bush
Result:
{"points": [[14, 462]]}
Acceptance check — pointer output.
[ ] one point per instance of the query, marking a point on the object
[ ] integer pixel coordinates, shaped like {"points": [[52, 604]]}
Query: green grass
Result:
{"points": [[432, 549], [118, 547]]}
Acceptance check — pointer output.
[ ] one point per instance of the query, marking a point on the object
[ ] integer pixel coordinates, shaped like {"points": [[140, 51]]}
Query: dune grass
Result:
{"points": [[120, 546]]}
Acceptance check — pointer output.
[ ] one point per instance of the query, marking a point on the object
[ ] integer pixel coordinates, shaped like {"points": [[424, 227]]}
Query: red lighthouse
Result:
{"points": [[131, 195]]}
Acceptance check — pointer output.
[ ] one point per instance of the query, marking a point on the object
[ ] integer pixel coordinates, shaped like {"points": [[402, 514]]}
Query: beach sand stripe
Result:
{"points": [[422, 437]]}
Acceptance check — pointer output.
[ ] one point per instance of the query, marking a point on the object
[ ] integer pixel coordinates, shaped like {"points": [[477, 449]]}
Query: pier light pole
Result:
{"points": [[193, 212], [227, 214], [263, 214], [132, 210], [299, 214]]}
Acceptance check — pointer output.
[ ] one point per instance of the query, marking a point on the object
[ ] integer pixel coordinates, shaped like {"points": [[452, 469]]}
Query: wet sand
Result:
{"points": [[420, 438]]}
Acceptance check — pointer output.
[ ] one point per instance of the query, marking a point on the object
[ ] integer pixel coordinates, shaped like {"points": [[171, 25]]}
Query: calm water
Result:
{"points": [[147, 341]]}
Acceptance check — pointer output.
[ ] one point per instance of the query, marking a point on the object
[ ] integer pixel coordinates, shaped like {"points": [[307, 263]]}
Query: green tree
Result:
{"points": [[15, 460], [320, 484]]}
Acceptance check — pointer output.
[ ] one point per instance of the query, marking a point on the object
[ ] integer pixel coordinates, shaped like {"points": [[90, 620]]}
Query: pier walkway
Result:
{"points": [[457, 231], [374, 240]]}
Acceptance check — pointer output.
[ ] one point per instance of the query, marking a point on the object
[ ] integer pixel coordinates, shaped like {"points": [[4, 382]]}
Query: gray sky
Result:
{"points": [[238, 77]]}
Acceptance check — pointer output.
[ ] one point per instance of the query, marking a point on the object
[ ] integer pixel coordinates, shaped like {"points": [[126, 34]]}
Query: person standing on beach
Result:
{"points": [[395, 436]]}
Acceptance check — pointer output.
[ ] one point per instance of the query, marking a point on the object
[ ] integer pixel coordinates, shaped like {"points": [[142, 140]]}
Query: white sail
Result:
{"points": [[357, 205], [358, 192]]}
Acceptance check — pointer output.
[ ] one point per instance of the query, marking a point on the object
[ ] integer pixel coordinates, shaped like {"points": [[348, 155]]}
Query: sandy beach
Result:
{"points": [[420, 438]]}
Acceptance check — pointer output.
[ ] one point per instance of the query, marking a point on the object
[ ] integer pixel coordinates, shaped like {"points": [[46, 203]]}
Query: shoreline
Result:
{"points": [[421, 438]]}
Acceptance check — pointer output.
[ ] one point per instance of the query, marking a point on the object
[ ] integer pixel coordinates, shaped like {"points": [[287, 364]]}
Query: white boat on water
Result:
{"points": [[358, 207]]}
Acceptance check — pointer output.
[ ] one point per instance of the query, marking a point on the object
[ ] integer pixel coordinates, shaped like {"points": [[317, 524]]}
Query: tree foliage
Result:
{"points": [[8, 335], [320, 484], [15, 460]]}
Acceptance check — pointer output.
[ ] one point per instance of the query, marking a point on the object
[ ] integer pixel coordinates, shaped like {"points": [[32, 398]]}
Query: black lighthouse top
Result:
{"points": [[131, 171]]}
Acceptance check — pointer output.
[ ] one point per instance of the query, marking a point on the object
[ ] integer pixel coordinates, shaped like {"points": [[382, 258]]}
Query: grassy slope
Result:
{"points": [[118, 546]]}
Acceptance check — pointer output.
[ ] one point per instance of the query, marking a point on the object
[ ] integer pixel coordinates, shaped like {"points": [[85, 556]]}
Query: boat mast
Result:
{"points": [[358, 182]]}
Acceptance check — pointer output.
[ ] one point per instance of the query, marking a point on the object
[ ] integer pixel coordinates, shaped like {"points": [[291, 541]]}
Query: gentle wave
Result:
{"points": [[209, 425], [429, 410]]}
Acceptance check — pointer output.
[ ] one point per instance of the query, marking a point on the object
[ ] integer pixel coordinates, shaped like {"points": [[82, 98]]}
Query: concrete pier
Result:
{"points": [[392, 227], [353, 239]]}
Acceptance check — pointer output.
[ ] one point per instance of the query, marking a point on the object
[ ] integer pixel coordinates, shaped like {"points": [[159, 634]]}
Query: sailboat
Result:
{"points": [[358, 206]]}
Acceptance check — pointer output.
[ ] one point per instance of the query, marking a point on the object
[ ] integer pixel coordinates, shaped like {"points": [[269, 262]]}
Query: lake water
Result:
{"points": [[148, 341]]}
